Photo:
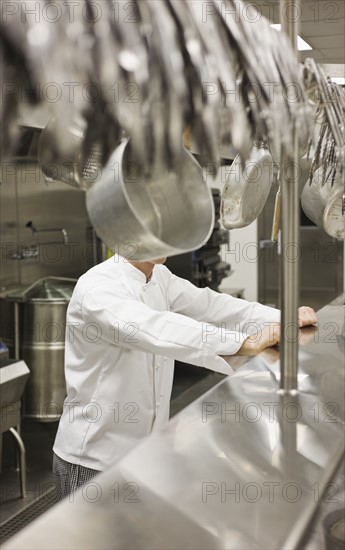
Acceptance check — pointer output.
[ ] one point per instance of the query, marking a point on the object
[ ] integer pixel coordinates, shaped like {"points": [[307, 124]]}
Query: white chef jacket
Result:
{"points": [[122, 336]]}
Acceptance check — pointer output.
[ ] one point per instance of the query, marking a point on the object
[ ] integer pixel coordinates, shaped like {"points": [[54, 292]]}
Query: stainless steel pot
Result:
{"points": [[246, 189], [40, 312], [167, 213], [323, 203]]}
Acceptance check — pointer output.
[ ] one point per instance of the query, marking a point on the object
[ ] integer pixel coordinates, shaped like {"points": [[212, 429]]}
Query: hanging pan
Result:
{"points": [[150, 216], [323, 202], [247, 188]]}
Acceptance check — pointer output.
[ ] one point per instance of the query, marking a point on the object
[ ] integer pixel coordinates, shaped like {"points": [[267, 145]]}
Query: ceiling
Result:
{"points": [[322, 25]]}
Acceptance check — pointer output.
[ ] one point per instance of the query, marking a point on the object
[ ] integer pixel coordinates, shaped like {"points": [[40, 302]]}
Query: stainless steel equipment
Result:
{"points": [[24, 195], [320, 256], [39, 337], [329, 101], [13, 377], [242, 467], [62, 230], [75, 167], [323, 203], [324, 200], [152, 216], [247, 188]]}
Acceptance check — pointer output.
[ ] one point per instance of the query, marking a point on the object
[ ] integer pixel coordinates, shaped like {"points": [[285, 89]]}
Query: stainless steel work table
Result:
{"points": [[242, 467]]}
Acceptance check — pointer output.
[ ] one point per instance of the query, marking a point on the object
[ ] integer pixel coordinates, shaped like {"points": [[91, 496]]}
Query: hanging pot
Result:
{"points": [[247, 188], [323, 202], [143, 217]]}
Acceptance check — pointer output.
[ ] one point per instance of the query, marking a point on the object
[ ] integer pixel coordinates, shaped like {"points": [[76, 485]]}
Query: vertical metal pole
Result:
{"points": [[16, 331], [290, 14]]}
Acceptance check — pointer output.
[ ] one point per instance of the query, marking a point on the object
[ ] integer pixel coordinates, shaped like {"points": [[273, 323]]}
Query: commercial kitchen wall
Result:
{"points": [[26, 257], [241, 252]]}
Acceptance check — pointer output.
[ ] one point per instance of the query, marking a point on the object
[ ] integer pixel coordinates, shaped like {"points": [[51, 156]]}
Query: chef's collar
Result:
{"points": [[134, 272]]}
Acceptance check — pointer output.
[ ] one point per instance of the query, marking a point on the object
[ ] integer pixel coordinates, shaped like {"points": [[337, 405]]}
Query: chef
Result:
{"points": [[126, 324]]}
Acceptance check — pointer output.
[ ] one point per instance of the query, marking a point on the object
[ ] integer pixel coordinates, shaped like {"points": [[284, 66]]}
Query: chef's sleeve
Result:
{"points": [[204, 304], [132, 324]]}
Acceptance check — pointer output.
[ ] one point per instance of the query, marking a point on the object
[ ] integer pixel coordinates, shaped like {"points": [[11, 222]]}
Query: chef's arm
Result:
{"points": [[132, 324], [204, 304]]}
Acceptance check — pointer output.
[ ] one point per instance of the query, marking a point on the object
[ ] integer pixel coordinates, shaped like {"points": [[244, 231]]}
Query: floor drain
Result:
{"points": [[20, 520]]}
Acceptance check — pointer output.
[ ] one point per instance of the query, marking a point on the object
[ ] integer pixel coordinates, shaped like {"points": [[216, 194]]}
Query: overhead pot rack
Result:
{"points": [[148, 77], [167, 66]]}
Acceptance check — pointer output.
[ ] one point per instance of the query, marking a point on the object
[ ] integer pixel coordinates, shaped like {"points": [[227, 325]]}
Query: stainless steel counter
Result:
{"points": [[242, 467]]}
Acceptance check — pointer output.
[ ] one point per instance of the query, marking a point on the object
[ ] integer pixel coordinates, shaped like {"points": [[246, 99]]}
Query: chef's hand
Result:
{"points": [[306, 316], [261, 340], [305, 336], [270, 336]]}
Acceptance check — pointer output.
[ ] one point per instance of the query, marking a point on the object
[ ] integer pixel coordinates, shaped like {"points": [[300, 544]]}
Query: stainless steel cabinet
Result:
{"points": [[321, 260]]}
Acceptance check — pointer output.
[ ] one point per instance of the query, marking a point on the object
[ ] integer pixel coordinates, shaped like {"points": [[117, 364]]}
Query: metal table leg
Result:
{"points": [[22, 461]]}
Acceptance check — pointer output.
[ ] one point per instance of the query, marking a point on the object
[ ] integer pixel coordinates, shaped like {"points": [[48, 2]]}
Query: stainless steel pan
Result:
{"points": [[167, 213], [322, 202], [247, 188]]}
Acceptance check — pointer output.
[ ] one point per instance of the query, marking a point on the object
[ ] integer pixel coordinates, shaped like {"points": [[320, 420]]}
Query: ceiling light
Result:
{"points": [[302, 45]]}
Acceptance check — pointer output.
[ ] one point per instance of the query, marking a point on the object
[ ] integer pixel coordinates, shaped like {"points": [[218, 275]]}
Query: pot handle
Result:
{"points": [[276, 216]]}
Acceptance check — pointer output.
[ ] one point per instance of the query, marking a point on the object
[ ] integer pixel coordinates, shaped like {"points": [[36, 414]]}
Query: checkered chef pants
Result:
{"points": [[69, 477]]}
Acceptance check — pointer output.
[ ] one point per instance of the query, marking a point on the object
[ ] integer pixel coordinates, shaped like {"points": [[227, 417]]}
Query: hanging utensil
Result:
{"points": [[246, 189], [165, 56], [329, 99], [72, 167], [322, 202], [150, 217], [276, 216]]}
